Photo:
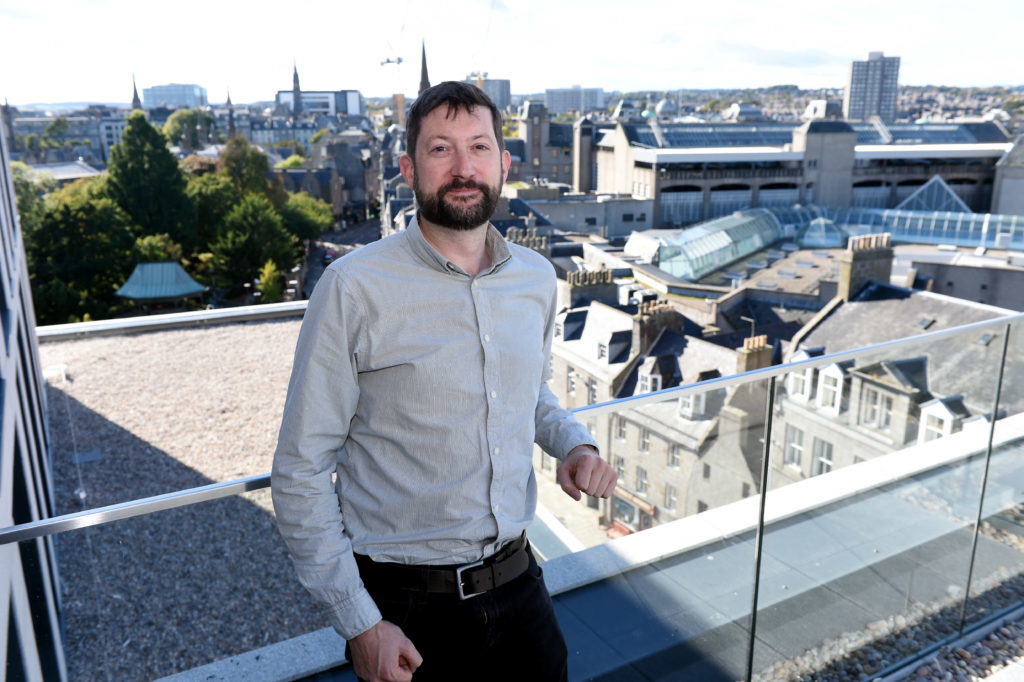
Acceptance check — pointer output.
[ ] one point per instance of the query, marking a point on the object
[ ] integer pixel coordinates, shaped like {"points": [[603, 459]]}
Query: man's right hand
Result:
{"points": [[384, 654]]}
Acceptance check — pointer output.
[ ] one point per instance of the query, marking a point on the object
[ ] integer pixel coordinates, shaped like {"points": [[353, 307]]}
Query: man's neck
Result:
{"points": [[465, 248]]}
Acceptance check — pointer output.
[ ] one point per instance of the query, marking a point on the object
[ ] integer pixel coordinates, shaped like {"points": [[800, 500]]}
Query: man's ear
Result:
{"points": [[405, 165], [506, 163]]}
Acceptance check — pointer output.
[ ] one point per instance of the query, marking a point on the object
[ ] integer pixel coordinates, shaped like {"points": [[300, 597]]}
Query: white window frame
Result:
{"points": [[822, 457], [674, 455], [641, 480], [644, 439], [671, 497], [650, 383], [793, 451]]}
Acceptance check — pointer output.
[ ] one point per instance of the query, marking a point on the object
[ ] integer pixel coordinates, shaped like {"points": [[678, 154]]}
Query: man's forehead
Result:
{"points": [[443, 118]]}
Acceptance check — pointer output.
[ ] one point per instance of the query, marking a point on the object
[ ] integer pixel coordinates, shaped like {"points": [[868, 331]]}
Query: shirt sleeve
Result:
{"points": [[322, 397], [557, 431]]}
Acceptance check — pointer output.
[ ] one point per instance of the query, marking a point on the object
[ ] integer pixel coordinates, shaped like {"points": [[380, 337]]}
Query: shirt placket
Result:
{"points": [[482, 303]]}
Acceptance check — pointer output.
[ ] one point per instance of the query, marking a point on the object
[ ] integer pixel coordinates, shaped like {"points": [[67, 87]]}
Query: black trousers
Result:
{"points": [[509, 633]]}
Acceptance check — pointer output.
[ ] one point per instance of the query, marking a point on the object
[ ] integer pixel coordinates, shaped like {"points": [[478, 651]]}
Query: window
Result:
{"points": [[701, 506], [591, 391], [829, 395], [558, 330], [650, 383], [707, 471], [877, 409], [641, 480], [620, 427], [590, 221], [643, 216], [670, 496], [620, 468], [934, 427], [602, 351], [794, 449], [645, 440], [592, 427], [798, 384], [674, 455], [691, 406], [627, 217], [570, 380], [822, 453]]}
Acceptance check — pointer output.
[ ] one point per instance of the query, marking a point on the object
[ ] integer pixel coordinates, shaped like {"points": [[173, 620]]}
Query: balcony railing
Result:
{"points": [[892, 525]]}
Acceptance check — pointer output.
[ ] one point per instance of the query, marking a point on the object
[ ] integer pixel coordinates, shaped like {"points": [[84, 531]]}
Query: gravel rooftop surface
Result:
{"points": [[139, 415]]}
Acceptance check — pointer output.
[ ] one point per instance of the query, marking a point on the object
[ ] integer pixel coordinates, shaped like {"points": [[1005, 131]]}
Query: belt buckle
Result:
{"points": [[458, 580]]}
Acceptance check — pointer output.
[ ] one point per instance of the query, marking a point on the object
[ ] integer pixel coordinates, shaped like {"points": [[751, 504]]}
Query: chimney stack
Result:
{"points": [[866, 258]]}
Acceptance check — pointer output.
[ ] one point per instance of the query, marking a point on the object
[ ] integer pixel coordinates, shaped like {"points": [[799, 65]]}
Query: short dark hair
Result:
{"points": [[457, 96]]}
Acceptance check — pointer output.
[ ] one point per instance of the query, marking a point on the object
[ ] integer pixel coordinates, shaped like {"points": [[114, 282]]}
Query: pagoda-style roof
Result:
{"points": [[159, 282]]}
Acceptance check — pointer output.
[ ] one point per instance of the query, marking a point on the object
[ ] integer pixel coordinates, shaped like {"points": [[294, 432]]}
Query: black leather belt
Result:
{"points": [[467, 580]]}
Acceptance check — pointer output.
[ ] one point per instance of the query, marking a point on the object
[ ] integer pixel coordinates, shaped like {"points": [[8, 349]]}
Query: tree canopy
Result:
{"points": [[253, 233], [190, 128], [145, 180], [246, 166], [306, 217]]}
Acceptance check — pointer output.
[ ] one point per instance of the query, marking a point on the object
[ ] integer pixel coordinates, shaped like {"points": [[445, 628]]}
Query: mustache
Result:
{"points": [[460, 184]]}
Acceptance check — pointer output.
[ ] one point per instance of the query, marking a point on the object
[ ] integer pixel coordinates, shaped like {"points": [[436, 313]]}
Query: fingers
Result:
{"points": [[564, 477], [411, 656], [586, 473]]}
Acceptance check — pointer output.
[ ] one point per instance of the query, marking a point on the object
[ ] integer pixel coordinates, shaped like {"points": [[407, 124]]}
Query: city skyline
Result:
{"points": [[536, 46]]}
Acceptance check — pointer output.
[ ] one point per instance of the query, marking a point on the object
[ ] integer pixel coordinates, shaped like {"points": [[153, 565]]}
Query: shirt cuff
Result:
{"points": [[355, 616]]}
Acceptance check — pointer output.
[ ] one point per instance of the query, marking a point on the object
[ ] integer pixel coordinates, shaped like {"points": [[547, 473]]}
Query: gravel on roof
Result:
{"points": [[146, 414]]}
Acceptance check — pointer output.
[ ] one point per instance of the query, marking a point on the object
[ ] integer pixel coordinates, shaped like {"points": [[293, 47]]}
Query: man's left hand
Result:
{"points": [[583, 471]]}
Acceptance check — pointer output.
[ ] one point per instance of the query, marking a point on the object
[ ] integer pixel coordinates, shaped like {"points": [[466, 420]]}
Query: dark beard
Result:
{"points": [[443, 213]]}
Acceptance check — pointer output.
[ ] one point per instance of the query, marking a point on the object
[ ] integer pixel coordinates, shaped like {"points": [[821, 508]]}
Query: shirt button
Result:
{"points": [[487, 337], [494, 394], [497, 508], [497, 451]]}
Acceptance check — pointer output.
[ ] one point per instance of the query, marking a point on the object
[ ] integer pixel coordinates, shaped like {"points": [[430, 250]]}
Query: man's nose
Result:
{"points": [[462, 164]]}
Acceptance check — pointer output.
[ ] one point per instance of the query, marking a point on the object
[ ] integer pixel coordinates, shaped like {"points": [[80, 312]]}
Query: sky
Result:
{"points": [[88, 50]]}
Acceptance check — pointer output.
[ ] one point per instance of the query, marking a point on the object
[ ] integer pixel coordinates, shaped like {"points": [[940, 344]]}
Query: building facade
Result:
{"points": [[174, 96], [872, 88], [567, 100]]}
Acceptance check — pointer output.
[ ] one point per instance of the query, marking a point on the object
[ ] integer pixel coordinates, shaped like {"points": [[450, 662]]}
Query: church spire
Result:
{"points": [[424, 79], [136, 102], [231, 116], [296, 92]]}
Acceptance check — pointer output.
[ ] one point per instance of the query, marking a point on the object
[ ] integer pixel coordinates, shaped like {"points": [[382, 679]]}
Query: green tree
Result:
{"points": [[271, 286], [213, 197], [244, 165], [145, 180], [318, 135], [253, 233], [293, 161], [29, 187], [190, 128], [57, 131], [157, 248], [80, 254], [306, 217]]}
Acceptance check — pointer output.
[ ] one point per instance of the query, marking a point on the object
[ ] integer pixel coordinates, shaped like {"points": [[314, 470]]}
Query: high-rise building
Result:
{"points": [[174, 95], [564, 100], [872, 88], [498, 89]]}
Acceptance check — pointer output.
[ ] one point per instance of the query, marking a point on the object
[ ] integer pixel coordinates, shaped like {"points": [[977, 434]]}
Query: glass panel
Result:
{"points": [[870, 515], [996, 580], [158, 594], [682, 523]]}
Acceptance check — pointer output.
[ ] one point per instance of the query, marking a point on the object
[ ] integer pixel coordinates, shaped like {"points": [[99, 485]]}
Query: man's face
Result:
{"points": [[456, 170]]}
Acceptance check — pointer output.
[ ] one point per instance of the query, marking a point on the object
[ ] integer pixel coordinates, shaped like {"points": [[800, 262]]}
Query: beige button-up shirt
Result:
{"points": [[416, 395]]}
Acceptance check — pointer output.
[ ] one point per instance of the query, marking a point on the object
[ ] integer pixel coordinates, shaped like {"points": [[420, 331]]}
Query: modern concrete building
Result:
{"points": [[327, 102], [699, 171], [872, 88], [174, 96], [580, 100], [498, 89]]}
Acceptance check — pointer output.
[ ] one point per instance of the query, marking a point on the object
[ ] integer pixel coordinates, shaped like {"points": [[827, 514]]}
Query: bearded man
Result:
{"points": [[419, 387]]}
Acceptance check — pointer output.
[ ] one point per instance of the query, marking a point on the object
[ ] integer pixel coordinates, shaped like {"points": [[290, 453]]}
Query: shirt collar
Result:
{"points": [[496, 246]]}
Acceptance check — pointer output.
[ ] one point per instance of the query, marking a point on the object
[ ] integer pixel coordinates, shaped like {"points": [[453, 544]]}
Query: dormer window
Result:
{"points": [[558, 330], [602, 351], [649, 383], [799, 383], [692, 406], [877, 409]]}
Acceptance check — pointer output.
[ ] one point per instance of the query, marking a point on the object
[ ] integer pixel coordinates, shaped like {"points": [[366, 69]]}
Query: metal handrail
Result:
{"points": [[182, 498]]}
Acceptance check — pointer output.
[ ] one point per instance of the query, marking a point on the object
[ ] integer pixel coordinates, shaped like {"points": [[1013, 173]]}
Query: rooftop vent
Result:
{"points": [[765, 284], [926, 322], [787, 274]]}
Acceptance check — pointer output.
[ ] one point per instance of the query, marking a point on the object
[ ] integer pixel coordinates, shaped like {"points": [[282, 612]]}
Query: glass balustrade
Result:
{"points": [[865, 553]]}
